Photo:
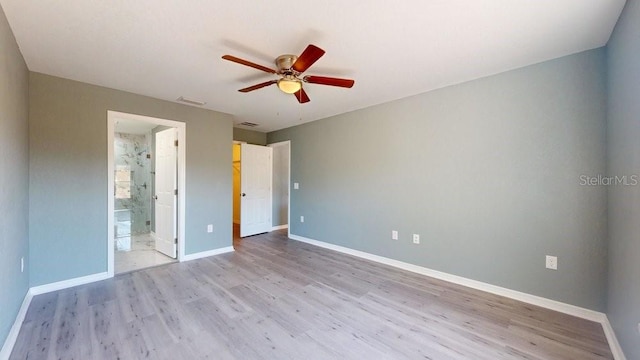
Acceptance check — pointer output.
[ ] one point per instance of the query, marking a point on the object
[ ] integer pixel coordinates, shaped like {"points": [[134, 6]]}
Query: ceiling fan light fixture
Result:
{"points": [[289, 85]]}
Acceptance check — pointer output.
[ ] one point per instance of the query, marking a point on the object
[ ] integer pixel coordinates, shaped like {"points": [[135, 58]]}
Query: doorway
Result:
{"points": [[262, 175], [146, 175], [252, 167], [236, 189]]}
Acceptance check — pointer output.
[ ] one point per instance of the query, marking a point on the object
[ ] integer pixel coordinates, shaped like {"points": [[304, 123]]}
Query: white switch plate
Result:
{"points": [[301, 218], [552, 262], [394, 235], [416, 239], [22, 264], [210, 228], [296, 186]]}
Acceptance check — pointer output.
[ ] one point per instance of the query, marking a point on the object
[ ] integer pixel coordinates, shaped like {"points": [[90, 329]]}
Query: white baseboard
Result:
{"points": [[279, 227], [616, 349], [207, 253], [41, 289], [10, 341], [479, 285]]}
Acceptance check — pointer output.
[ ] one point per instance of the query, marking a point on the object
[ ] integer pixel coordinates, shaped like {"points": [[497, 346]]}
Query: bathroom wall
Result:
{"points": [[131, 152]]}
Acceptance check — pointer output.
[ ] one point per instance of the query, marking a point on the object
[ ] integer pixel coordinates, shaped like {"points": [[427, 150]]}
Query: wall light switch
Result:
{"points": [[210, 228], [301, 218], [552, 262], [22, 264], [394, 235], [416, 239], [296, 186]]}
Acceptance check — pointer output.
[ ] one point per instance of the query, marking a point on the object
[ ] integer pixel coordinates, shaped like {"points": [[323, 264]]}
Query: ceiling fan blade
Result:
{"points": [[258, 86], [302, 97], [323, 80], [309, 56], [248, 63]]}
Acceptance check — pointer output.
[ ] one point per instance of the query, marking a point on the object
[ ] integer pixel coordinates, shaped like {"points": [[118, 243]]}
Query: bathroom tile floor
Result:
{"points": [[141, 254]]}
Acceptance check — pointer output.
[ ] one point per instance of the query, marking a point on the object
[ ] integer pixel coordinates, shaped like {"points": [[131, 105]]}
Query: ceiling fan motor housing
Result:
{"points": [[284, 64]]}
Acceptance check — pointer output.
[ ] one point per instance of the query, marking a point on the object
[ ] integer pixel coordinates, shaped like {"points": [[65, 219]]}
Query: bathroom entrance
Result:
{"points": [[144, 197]]}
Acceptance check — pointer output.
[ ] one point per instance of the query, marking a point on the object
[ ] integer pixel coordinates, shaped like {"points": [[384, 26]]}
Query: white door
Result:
{"points": [[166, 189], [255, 189]]}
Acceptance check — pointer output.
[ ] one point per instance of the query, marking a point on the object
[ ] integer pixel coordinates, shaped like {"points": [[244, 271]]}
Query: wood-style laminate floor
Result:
{"points": [[275, 298]]}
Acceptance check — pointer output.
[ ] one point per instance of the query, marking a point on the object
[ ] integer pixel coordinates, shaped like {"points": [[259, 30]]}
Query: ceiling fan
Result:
{"points": [[290, 68]]}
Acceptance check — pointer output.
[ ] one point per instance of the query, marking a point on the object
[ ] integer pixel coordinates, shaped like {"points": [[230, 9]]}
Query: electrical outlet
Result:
{"points": [[552, 262], [301, 218], [210, 228], [394, 235], [22, 264], [416, 239]]}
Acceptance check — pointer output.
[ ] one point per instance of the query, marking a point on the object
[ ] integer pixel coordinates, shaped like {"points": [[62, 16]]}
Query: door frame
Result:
{"points": [[181, 128], [288, 144]]}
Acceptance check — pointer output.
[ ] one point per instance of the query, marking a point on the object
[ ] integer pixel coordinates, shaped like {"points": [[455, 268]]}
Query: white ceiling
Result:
{"points": [[172, 48]]}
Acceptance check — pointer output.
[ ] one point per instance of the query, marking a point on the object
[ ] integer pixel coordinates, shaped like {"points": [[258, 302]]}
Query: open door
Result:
{"points": [[255, 189], [166, 192]]}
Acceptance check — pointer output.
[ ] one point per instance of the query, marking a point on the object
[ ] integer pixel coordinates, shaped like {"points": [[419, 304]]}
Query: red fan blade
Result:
{"points": [[310, 55], [258, 86], [323, 80], [302, 97], [248, 63]]}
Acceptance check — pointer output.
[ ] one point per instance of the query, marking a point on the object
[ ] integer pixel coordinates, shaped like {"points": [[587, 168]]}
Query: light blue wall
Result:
{"points": [[68, 174], [623, 145], [14, 177], [280, 185], [250, 136], [487, 172]]}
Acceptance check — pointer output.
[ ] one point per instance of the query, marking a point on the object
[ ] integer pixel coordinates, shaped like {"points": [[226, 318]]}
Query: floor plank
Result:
{"points": [[280, 299]]}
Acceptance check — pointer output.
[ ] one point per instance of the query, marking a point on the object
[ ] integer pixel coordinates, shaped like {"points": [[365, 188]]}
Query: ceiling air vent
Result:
{"points": [[190, 102], [249, 124]]}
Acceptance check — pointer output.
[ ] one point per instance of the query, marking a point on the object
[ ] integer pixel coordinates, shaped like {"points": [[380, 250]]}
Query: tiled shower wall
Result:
{"points": [[131, 158]]}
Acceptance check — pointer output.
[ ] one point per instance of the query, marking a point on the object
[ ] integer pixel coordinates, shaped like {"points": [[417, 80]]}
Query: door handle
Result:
{"points": [[243, 194], [155, 197]]}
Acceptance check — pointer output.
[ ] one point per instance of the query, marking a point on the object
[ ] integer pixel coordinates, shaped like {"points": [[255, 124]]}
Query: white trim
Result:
{"points": [[616, 349], [64, 284], [10, 341], [181, 128], [577, 311], [111, 236], [279, 227], [208, 253]]}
